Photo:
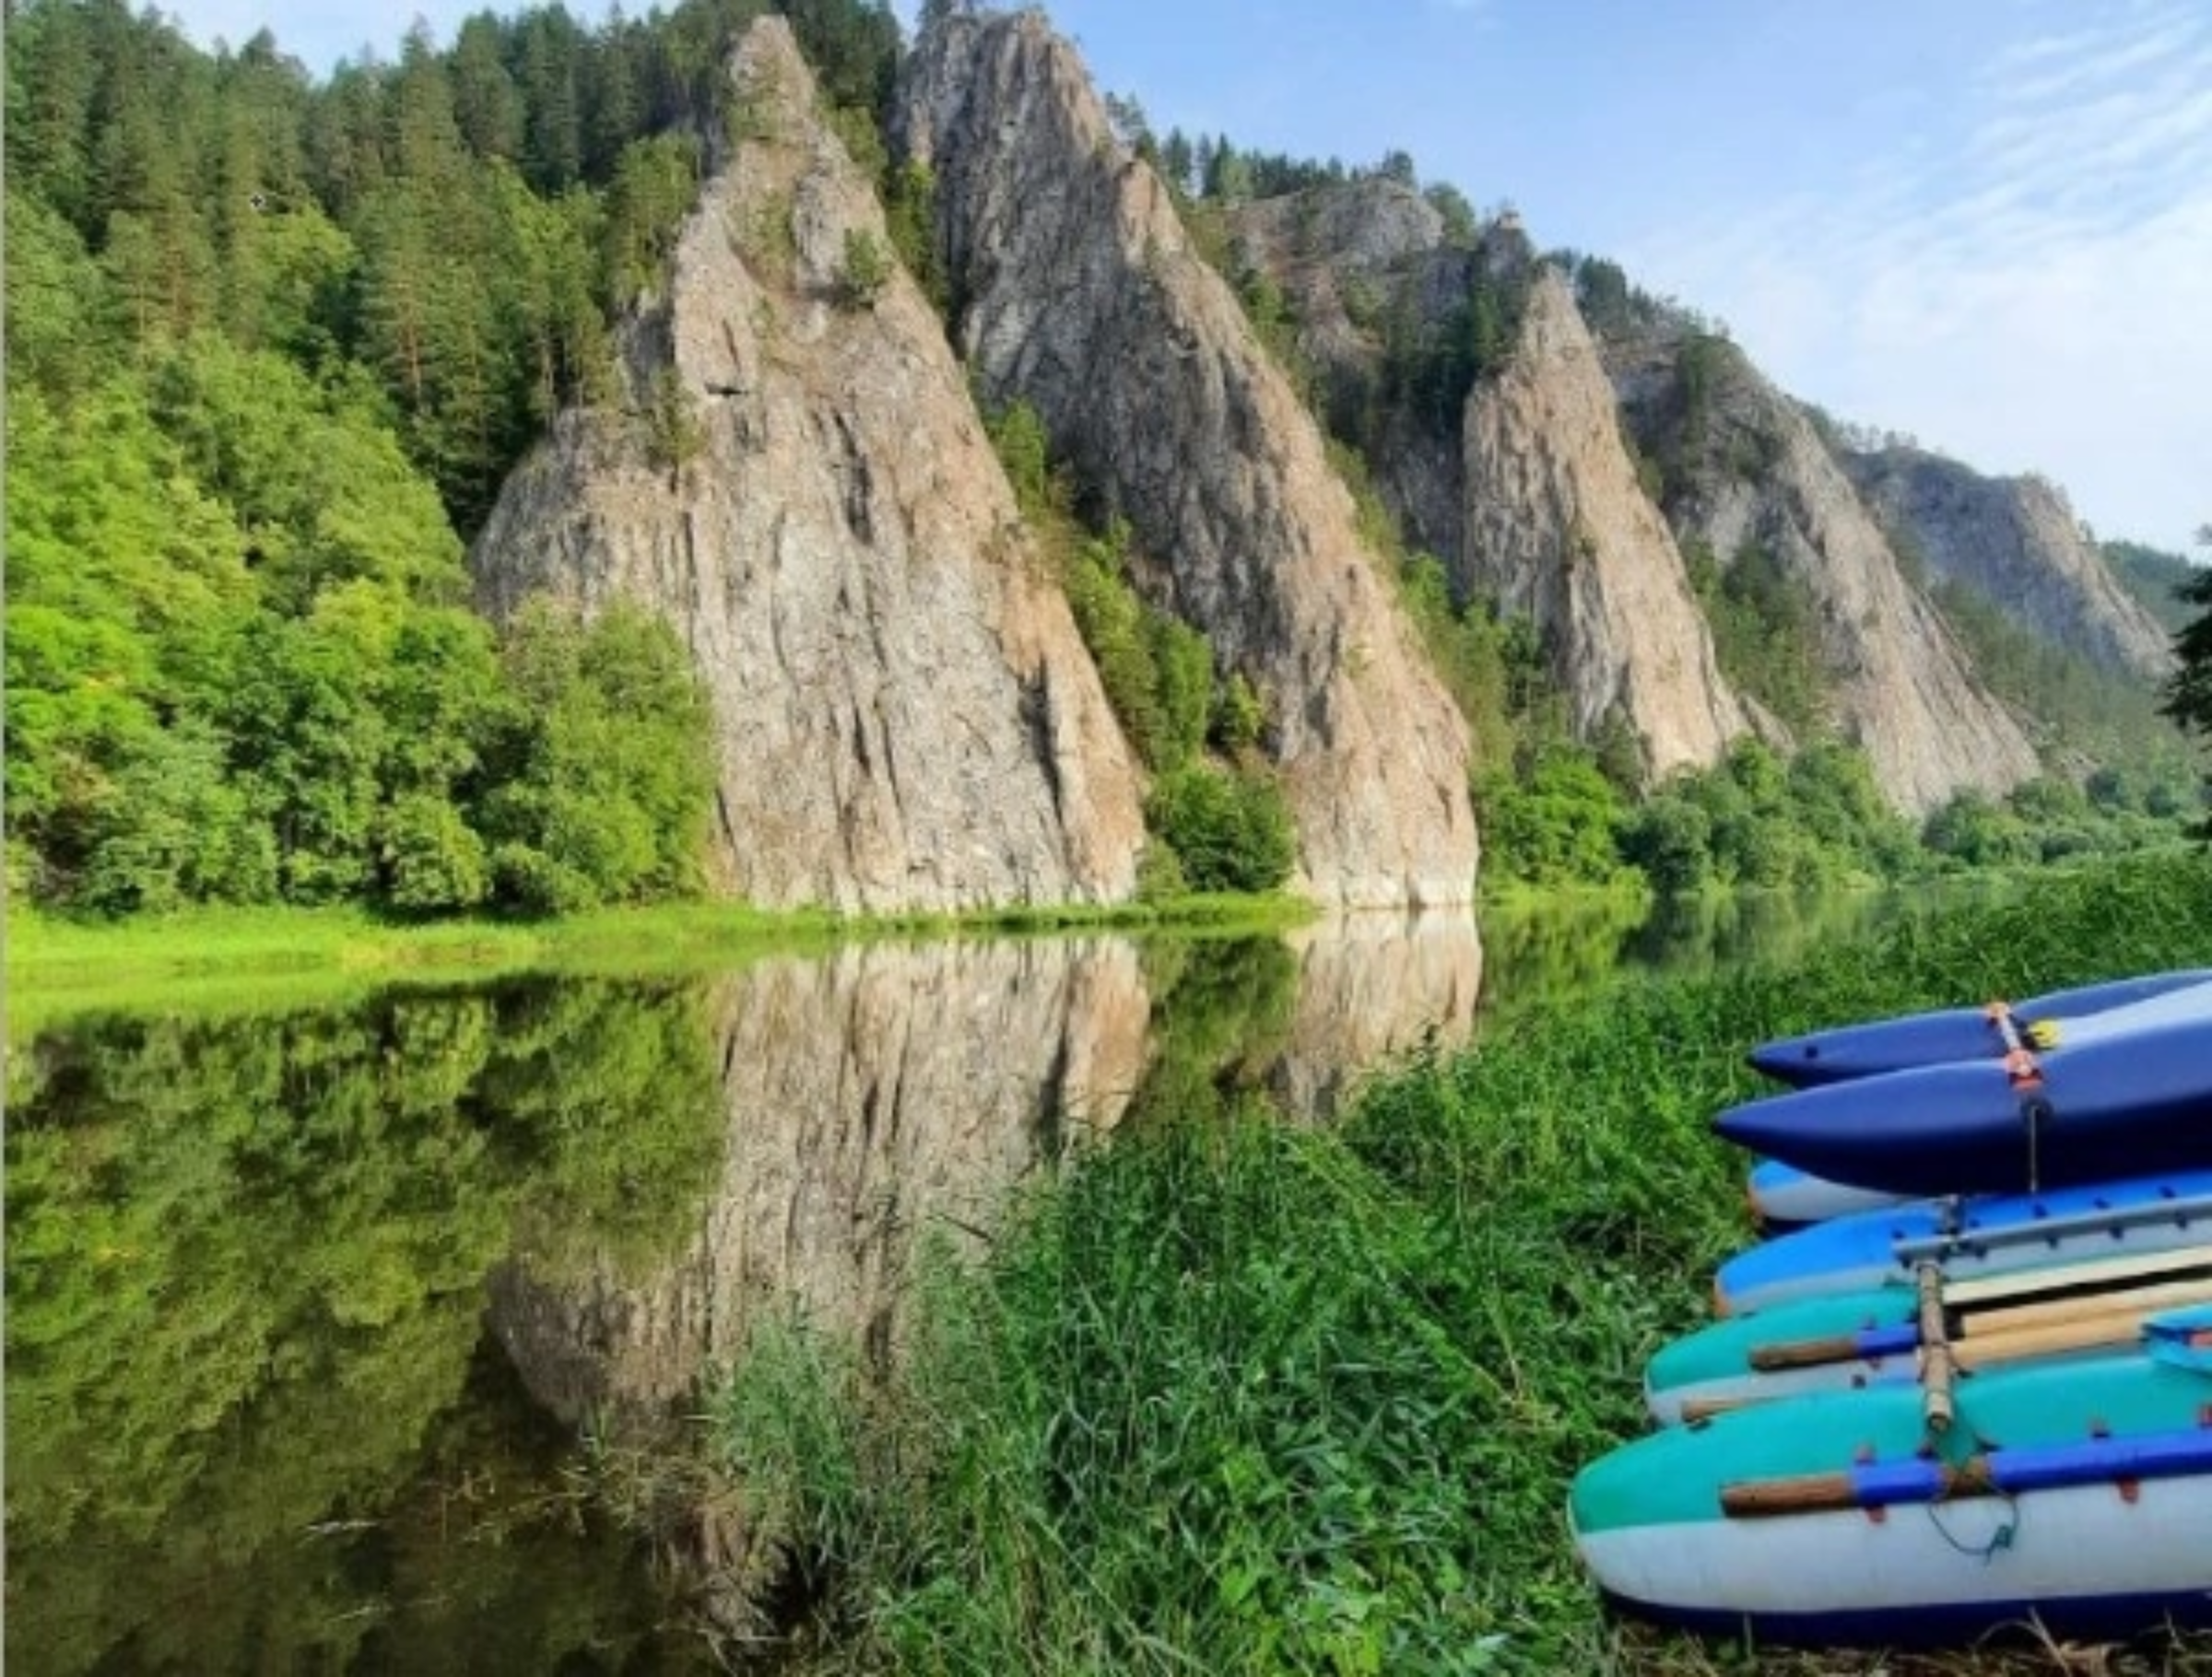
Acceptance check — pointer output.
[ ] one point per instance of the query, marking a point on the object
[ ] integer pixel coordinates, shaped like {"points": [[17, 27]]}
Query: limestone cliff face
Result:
{"points": [[1558, 528], [1351, 257], [1077, 292], [1746, 468], [906, 718], [2015, 541]]}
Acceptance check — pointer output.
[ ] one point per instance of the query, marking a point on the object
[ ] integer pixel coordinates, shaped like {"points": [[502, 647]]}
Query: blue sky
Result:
{"points": [[1985, 223]]}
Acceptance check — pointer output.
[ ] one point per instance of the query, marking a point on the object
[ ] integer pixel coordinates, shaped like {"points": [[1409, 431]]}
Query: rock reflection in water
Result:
{"points": [[1371, 988], [886, 1090], [871, 1094]]}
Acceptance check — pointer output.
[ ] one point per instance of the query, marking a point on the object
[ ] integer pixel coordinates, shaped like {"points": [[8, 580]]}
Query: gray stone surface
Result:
{"points": [[1077, 292], [2015, 541], [906, 716]]}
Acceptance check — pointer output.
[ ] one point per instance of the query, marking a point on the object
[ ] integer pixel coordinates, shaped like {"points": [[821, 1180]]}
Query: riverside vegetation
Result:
{"points": [[1236, 1396]]}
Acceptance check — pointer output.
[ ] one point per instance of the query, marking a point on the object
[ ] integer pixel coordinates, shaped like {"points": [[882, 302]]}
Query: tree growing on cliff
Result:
{"points": [[2189, 695]]}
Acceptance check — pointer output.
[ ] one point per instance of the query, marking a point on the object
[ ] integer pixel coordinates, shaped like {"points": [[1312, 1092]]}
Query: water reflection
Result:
{"points": [[862, 1100], [305, 1309], [889, 1092], [1550, 949], [245, 1296]]}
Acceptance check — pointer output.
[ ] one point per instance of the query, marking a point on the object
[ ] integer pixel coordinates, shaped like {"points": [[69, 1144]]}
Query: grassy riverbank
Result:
{"points": [[222, 955], [1263, 1399]]}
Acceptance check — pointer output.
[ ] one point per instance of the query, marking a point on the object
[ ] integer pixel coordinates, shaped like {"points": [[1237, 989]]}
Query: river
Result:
{"points": [[367, 1337]]}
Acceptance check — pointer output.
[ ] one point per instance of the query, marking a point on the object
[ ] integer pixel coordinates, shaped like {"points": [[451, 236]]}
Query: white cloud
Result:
{"points": [[2033, 292]]}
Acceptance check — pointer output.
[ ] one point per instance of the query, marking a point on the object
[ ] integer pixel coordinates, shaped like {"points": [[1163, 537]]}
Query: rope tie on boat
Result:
{"points": [[2025, 1073], [1970, 1476], [2001, 1539]]}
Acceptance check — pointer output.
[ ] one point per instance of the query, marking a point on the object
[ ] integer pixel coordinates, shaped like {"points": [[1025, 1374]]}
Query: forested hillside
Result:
{"points": [[272, 346], [275, 344]]}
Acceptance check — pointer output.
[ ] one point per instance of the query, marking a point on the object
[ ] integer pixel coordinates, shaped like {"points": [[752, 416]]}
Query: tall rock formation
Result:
{"points": [[906, 716], [2015, 541], [1359, 262], [1077, 292], [1558, 529], [1744, 468]]}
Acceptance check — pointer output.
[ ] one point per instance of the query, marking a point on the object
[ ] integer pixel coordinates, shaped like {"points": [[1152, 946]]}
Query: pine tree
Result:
{"points": [[486, 104]]}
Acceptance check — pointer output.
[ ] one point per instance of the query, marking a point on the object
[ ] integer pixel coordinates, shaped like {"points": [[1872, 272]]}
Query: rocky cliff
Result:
{"points": [[1744, 469], [1077, 292], [1524, 486], [1558, 529], [1360, 265], [2015, 541], [906, 716]]}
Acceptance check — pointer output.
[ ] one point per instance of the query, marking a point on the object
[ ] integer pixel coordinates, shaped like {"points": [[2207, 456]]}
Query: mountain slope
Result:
{"points": [[2015, 541]]}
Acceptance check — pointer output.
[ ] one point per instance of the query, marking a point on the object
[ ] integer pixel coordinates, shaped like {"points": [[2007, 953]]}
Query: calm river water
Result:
{"points": [[359, 1338]]}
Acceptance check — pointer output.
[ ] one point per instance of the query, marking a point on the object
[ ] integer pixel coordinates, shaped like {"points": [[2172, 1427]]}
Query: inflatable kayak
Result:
{"points": [[1877, 1046], [1844, 1341], [1993, 1235], [1782, 1196], [2137, 1100], [2075, 1496]]}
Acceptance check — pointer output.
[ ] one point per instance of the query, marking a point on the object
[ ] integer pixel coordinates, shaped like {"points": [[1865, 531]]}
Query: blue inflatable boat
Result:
{"points": [[2104, 1103], [1877, 1046], [1992, 1235]]}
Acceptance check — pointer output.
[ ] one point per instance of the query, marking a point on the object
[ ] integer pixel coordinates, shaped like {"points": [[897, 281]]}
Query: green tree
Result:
{"points": [[600, 767], [1558, 824], [486, 104], [865, 271], [1230, 832], [1671, 839], [2189, 693]]}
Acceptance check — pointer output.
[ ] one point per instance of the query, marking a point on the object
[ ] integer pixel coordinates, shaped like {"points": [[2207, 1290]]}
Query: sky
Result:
{"points": [[1985, 224]]}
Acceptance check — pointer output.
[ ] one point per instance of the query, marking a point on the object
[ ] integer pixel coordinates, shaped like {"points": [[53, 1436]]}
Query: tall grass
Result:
{"points": [[1251, 1398]]}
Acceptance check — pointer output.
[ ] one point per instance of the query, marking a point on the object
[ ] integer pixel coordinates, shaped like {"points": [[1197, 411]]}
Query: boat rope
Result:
{"points": [[2025, 1073], [2001, 1539], [2017, 1031], [1969, 1475]]}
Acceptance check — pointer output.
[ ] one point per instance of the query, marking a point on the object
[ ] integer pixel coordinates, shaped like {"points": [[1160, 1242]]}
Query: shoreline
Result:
{"points": [[57, 966]]}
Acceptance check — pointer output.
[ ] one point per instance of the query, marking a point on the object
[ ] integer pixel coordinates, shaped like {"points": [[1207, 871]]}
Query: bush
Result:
{"points": [[1556, 825], [1229, 832], [434, 861], [867, 269]]}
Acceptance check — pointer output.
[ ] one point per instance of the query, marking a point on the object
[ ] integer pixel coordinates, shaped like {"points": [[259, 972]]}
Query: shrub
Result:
{"points": [[1230, 832], [866, 270]]}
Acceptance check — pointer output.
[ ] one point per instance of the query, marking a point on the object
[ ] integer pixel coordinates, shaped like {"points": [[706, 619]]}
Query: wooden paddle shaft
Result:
{"points": [[1938, 1366], [2094, 1296], [2070, 1277], [2121, 1328], [1818, 1493], [2119, 1323], [2162, 1296]]}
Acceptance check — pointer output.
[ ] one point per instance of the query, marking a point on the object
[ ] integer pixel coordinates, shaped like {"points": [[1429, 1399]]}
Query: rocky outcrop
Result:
{"points": [[1558, 529], [2015, 541], [906, 716], [1358, 262], [1077, 292], [1744, 468]]}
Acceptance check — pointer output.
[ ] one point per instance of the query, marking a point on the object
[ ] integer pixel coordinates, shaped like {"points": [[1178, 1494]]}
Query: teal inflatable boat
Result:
{"points": [[2076, 1496], [1883, 1335]]}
